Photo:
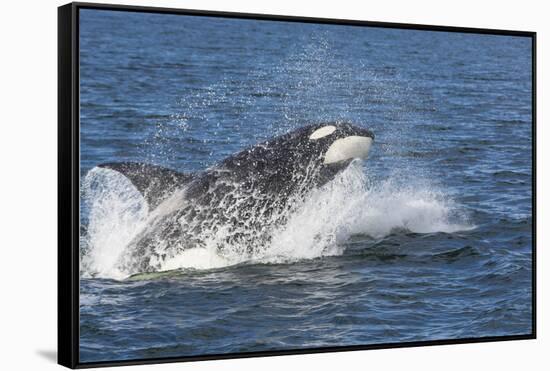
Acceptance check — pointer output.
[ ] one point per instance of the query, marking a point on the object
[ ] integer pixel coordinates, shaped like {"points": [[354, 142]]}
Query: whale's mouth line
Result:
{"points": [[348, 148]]}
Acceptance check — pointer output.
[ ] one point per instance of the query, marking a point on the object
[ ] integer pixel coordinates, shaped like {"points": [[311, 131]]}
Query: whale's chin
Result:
{"points": [[348, 148]]}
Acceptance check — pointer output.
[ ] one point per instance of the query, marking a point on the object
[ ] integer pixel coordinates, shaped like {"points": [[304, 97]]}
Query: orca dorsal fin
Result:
{"points": [[155, 183]]}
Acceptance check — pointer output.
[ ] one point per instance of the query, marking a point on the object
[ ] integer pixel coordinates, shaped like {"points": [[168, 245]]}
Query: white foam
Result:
{"points": [[117, 213], [197, 258], [347, 206]]}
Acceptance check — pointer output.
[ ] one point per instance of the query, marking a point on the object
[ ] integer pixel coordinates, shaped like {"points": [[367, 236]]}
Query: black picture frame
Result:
{"points": [[68, 182]]}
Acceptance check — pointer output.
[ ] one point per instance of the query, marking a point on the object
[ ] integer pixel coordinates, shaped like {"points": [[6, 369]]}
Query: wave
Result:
{"points": [[318, 226]]}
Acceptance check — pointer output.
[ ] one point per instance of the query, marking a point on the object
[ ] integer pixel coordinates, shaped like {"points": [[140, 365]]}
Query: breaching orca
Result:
{"points": [[242, 197]]}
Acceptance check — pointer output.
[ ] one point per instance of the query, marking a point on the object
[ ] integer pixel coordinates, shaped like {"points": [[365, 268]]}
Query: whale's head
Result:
{"points": [[329, 148], [308, 156], [338, 143]]}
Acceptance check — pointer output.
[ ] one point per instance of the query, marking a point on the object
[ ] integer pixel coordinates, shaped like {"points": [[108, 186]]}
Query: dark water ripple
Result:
{"points": [[450, 109]]}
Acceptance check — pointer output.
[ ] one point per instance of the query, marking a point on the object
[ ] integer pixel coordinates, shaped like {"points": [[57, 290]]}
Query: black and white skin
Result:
{"points": [[242, 197]]}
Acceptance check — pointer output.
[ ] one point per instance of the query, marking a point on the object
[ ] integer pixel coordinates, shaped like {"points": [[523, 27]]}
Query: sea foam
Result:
{"points": [[318, 226]]}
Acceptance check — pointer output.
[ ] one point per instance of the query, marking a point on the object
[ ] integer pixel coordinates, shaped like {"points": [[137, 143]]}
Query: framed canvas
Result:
{"points": [[241, 185]]}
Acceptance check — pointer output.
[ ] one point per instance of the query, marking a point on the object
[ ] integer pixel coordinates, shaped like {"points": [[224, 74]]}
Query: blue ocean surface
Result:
{"points": [[430, 238]]}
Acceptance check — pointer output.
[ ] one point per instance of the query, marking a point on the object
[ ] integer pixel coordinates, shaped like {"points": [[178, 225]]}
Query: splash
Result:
{"points": [[117, 212], [352, 205], [316, 226]]}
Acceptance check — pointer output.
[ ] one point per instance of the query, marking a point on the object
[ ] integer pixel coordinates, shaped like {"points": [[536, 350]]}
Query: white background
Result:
{"points": [[28, 181]]}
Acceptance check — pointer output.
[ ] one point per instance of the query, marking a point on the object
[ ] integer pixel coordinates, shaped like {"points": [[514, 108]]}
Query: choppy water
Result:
{"points": [[429, 239]]}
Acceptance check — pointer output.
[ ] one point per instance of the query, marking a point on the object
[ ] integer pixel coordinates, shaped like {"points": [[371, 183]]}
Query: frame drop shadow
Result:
{"points": [[50, 355]]}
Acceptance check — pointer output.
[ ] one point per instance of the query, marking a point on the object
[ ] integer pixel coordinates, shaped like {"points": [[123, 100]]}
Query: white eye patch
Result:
{"points": [[322, 132]]}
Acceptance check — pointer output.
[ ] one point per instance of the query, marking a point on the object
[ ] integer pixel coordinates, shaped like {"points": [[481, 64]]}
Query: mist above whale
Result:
{"points": [[241, 198]]}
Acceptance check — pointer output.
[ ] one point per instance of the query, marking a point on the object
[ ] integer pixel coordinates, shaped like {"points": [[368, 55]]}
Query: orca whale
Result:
{"points": [[242, 197]]}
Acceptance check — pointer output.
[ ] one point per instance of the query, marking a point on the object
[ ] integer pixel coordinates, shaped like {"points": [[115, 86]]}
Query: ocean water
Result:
{"points": [[428, 239]]}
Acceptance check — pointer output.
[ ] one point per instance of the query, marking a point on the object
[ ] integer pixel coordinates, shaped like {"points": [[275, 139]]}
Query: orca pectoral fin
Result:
{"points": [[155, 183]]}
